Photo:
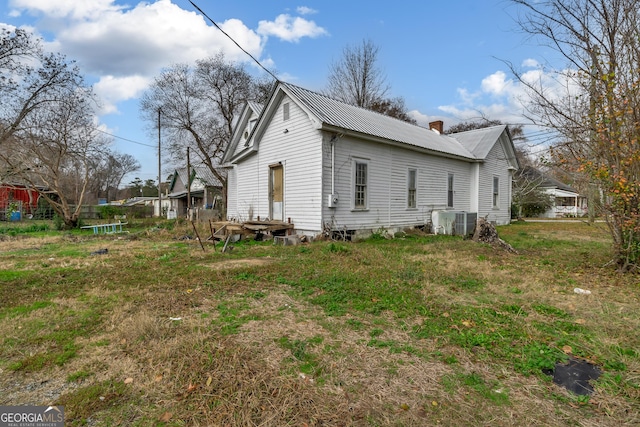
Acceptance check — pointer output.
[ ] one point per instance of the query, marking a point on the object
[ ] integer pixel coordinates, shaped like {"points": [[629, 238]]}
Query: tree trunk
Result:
{"points": [[486, 232]]}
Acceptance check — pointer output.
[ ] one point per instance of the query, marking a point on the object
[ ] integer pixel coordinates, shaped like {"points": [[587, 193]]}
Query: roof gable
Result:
{"points": [[200, 173], [251, 110], [481, 141]]}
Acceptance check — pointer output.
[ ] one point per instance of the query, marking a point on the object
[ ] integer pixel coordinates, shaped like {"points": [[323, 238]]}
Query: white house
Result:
{"points": [[327, 166], [567, 202]]}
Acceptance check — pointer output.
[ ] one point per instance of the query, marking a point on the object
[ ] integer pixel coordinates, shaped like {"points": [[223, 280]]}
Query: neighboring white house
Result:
{"points": [[150, 201], [328, 166], [567, 202]]}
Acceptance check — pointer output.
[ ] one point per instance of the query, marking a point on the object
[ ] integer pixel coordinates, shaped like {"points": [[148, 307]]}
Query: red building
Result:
{"points": [[24, 198]]}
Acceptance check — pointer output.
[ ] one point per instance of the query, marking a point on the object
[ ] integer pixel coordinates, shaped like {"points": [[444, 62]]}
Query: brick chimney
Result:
{"points": [[437, 126]]}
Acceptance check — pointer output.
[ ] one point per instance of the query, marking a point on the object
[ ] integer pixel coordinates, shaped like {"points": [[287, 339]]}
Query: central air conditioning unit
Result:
{"points": [[453, 223]]}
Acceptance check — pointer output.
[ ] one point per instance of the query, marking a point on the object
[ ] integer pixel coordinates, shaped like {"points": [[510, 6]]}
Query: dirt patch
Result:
{"points": [[39, 388], [239, 263]]}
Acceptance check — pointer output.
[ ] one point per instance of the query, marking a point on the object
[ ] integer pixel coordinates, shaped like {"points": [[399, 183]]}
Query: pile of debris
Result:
{"points": [[486, 232]]}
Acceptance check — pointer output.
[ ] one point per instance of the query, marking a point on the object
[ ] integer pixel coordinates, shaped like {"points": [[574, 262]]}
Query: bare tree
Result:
{"points": [[47, 135], [30, 80], [54, 152], [593, 103], [477, 124], [393, 107], [199, 106], [529, 197], [108, 173], [357, 79]]}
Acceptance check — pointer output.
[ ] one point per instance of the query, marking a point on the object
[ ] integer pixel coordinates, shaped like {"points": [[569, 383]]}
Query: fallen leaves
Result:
{"points": [[165, 417]]}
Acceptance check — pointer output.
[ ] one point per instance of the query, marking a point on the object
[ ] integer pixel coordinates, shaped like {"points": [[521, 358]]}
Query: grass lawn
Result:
{"points": [[415, 331]]}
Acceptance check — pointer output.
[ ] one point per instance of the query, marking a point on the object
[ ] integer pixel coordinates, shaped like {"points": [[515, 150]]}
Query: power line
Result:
{"points": [[235, 42], [125, 139]]}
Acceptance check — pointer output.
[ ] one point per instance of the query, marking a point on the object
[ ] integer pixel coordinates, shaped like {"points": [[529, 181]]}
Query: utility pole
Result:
{"points": [[188, 186], [159, 170]]}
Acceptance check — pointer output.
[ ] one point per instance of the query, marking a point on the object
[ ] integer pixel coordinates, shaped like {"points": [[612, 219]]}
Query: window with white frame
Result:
{"points": [[450, 190], [285, 111], [496, 191], [411, 188], [360, 178]]}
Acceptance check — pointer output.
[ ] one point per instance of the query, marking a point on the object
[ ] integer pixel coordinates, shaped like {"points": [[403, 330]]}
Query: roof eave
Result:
{"points": [[373, 138], [249, 151]]}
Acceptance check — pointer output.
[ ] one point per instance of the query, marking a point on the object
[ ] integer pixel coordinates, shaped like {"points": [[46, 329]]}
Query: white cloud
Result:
{"points": [[466, 96], [498, 97], [144, 39], [496, 84], [112, 89], [530, 63], [74, 9], [124, 46], [304, 10], [290, 29], [424, 119]]}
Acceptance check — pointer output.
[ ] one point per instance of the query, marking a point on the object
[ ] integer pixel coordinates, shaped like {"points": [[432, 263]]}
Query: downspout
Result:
{"points": [[333, 165], [389, 198]]}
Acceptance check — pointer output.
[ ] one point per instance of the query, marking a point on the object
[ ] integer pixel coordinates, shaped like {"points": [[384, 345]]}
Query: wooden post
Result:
{"points": [[197, 235], [213, 239]]}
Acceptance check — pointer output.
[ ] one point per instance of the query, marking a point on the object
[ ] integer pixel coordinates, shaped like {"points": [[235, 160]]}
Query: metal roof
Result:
{"points": [[256, 107], [203, 173], [480, 141], [337, 114], [533, 174]]}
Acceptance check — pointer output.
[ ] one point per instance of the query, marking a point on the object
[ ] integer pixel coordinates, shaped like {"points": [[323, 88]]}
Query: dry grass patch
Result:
{"points": [[231, 264], [422, 330]]}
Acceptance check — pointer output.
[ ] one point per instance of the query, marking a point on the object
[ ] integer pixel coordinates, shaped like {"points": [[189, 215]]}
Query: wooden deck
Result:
{"points": [[225, 228]]}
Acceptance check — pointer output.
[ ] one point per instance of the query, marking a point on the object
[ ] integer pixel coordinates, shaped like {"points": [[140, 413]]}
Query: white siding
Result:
{"points": [[299, 151], [495, 165], [247, 184], [243, 143], [232, 193], [387, 185], [306, 156]]}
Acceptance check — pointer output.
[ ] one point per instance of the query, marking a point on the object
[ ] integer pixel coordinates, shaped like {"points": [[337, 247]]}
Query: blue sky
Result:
{"points": [[444, 58]]}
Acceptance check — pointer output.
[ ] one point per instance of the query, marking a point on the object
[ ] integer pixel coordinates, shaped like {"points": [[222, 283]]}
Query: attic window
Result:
{"points": [[285, 111]]}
